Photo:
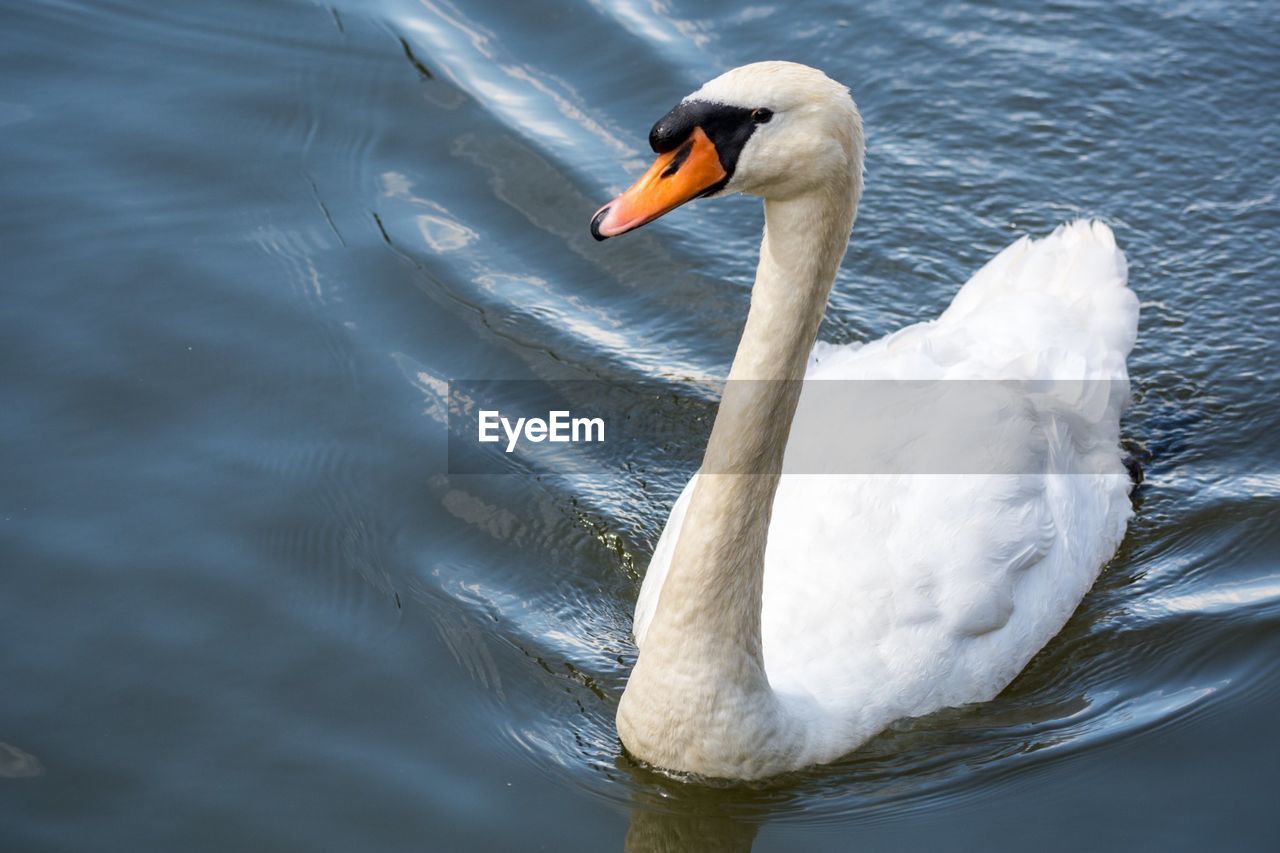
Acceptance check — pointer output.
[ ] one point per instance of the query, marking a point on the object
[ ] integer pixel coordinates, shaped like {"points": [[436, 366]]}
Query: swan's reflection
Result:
{"points": [[655, 831], [684, 816]]}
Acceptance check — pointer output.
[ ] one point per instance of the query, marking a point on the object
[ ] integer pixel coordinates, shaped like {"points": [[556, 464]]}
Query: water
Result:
{"points": [[246, 243]]}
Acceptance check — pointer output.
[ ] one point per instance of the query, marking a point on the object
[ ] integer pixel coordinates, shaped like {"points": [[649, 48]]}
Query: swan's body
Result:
{"points": [[787, 618]]}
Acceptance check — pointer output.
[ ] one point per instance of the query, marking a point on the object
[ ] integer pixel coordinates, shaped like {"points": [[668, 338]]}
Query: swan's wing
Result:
{"points": [[887, 598], [1055, 308], [889, 594]]}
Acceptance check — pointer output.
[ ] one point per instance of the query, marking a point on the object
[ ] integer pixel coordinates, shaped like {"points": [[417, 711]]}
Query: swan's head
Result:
{"points": [[773, 129]]}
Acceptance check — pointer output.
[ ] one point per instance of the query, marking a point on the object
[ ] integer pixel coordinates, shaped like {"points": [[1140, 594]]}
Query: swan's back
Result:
{"points": [[895, 589]]}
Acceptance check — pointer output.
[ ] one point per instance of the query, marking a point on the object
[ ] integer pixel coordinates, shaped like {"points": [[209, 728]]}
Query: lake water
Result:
{"points": [[245, 245]]}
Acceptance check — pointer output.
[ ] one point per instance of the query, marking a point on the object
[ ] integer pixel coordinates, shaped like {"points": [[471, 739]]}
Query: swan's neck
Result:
{"points": [[699, 698]]}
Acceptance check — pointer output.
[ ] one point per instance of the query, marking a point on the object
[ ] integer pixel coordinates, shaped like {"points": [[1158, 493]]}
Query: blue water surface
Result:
{"points": [[247, 244]]}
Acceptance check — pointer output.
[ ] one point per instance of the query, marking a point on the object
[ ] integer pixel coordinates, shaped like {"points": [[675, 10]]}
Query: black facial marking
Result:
{"points": [[727, 127], [678, 160]]}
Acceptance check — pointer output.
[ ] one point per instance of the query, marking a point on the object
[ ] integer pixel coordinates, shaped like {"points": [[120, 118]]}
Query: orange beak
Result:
{"points": [[674, 178]]}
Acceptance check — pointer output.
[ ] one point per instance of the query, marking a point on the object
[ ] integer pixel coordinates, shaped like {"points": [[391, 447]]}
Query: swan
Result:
{"points": [[787, 617]]}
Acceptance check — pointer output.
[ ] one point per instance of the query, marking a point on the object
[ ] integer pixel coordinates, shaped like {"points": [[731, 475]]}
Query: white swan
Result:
{"points": [[785, 619]]}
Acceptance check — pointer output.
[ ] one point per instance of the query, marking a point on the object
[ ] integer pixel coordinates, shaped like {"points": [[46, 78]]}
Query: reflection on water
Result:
{"points": [[249, 245], [655, 831], [16, 764]]}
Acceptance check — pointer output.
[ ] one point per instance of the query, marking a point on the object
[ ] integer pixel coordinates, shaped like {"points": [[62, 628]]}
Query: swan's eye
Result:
{"points": [[761, 115]]}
